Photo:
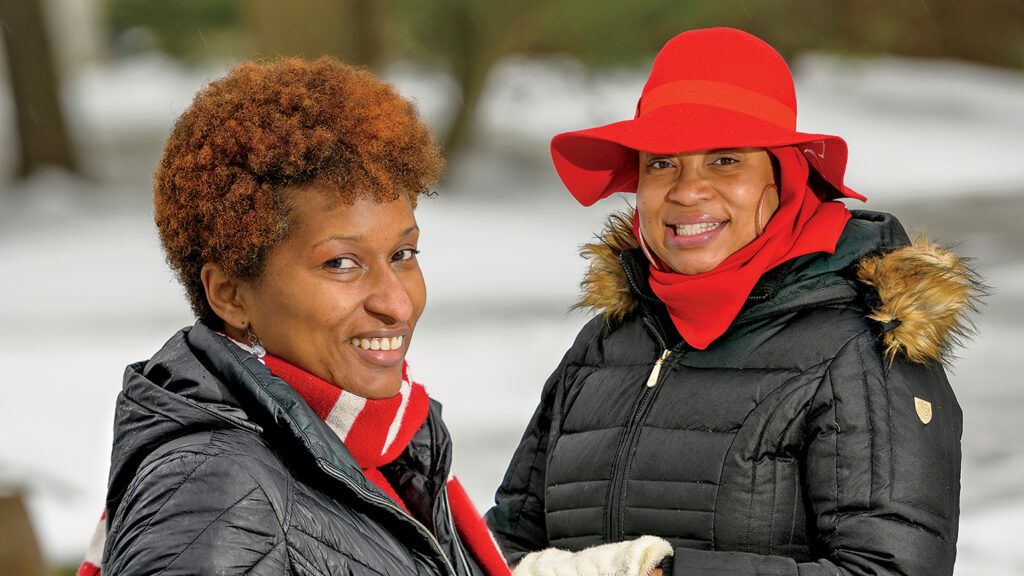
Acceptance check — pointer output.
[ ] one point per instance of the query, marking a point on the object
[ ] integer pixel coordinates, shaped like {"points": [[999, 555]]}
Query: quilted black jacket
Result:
{"points": [[793, 445], [219, 467]]}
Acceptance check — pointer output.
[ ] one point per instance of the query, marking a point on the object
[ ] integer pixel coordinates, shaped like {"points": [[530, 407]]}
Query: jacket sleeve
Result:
{"points": [[517, 518], [192, 513], [882, 474]]}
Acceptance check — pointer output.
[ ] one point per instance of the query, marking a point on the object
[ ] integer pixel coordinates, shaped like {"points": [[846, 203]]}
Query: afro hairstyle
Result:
{"points": [[249, 140]]}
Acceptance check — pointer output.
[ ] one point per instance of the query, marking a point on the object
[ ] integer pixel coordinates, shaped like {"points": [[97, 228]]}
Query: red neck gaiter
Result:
{"points": [[703, 306]]}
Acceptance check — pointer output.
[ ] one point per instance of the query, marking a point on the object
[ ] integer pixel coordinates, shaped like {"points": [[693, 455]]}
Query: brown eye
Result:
{"points": [[343, 264], [405, 254], [725, 161], [659, 164]]}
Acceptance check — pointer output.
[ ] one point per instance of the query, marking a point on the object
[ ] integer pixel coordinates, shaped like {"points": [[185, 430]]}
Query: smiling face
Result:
{"points": [[340, 296], [697, 208]]}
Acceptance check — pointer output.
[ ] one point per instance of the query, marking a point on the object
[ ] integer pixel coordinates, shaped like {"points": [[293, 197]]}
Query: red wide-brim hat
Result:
{"points": [[708, 89]]}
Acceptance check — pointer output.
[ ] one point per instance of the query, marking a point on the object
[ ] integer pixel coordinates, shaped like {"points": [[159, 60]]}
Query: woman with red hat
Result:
{"points": [[763, 390]]}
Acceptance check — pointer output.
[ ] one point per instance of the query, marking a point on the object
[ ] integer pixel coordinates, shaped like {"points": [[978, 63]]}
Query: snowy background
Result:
{"points": [[85, 289]]}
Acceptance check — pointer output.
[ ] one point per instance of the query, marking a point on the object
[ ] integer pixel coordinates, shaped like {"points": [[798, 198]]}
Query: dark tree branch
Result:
{"points": [[42, 133]]}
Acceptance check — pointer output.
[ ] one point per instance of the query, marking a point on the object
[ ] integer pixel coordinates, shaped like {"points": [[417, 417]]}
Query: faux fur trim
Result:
{"points": [[605, 287], [925, 292], [631, 558]]}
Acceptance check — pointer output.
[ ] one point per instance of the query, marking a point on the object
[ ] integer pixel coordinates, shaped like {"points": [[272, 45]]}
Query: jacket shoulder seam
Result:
{"points": [[289, 481], [206, 456], [597, 325], [205, 528], [858, 343], [300, 559], [171, 456], [835, 419], [267, 555]]}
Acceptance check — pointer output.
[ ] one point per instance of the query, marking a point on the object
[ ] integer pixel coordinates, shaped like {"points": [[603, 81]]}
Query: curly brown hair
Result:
{"points": [[263, 132]]}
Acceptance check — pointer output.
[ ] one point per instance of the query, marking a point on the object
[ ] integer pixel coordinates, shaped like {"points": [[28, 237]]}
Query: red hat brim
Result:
{"points": [[598, 162]]}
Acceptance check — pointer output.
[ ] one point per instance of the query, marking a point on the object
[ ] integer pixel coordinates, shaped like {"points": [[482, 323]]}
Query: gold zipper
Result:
{"points": [[652, 380]]}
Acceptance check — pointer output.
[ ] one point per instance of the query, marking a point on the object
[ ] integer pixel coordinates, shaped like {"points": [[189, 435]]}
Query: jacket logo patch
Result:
{"points": [[924, 410]]}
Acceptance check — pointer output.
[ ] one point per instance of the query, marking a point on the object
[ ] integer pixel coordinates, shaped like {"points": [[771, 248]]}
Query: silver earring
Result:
{"points": [[643, 247], [254, 344], [759, 219]]}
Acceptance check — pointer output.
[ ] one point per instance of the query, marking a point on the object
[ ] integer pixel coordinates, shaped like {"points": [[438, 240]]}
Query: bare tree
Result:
{"points": [[353, 30], [42, 133], [19, 551], [482, 33], [368, 29]]}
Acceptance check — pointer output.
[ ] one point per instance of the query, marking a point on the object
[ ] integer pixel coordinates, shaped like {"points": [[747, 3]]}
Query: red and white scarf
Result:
{"points": [[375, 431]]}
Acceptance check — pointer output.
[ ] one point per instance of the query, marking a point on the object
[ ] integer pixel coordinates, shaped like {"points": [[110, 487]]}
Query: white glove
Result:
{"points": [[632, 558]]}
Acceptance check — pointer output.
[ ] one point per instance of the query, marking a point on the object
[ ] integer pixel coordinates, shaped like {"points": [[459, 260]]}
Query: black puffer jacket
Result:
{"points": [[791, 445], [221, 468]]}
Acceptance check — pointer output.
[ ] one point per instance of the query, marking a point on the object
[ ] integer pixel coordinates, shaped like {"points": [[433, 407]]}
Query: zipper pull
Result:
{"points": [[652, 380]]}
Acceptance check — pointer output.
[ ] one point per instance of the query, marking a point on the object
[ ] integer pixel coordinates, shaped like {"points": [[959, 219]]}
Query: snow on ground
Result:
{"points": [[86, 290], [495, 325], [93, 294], [990, 542], [931, 129]]}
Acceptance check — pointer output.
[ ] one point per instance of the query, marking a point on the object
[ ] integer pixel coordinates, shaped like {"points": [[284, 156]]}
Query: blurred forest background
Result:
{"points": [[467, 38], [81, 128]]}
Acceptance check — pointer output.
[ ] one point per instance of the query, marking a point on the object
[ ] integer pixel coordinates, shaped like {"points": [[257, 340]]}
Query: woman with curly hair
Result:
{"points": [[282, 434], [762, 391]]}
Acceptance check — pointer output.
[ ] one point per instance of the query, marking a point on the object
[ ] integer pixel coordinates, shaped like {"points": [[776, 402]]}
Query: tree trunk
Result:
{"points": [[505, 28], [42, 133], [19, 551], [304, 28], [367, 27], [472, 78], [352, 30]]}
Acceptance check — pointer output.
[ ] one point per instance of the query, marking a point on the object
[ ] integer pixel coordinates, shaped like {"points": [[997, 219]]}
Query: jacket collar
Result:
{"points": [[918, 293], [273, 402], [199, 380], [635, 268]]}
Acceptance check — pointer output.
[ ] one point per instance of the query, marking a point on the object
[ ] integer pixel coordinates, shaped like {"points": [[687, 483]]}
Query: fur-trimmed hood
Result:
{"points": [[921, 293]]}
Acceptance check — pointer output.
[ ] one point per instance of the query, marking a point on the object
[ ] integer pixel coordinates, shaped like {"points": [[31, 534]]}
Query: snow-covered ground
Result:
{"points": [[85, 290]]}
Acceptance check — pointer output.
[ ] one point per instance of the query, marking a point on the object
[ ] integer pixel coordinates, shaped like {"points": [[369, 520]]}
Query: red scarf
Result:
{"points": [[375, 431], [703, 306]]}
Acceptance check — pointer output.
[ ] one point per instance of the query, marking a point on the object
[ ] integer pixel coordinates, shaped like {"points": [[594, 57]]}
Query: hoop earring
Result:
{"points": [[759, 219], [646, 251], [254, 343]]}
